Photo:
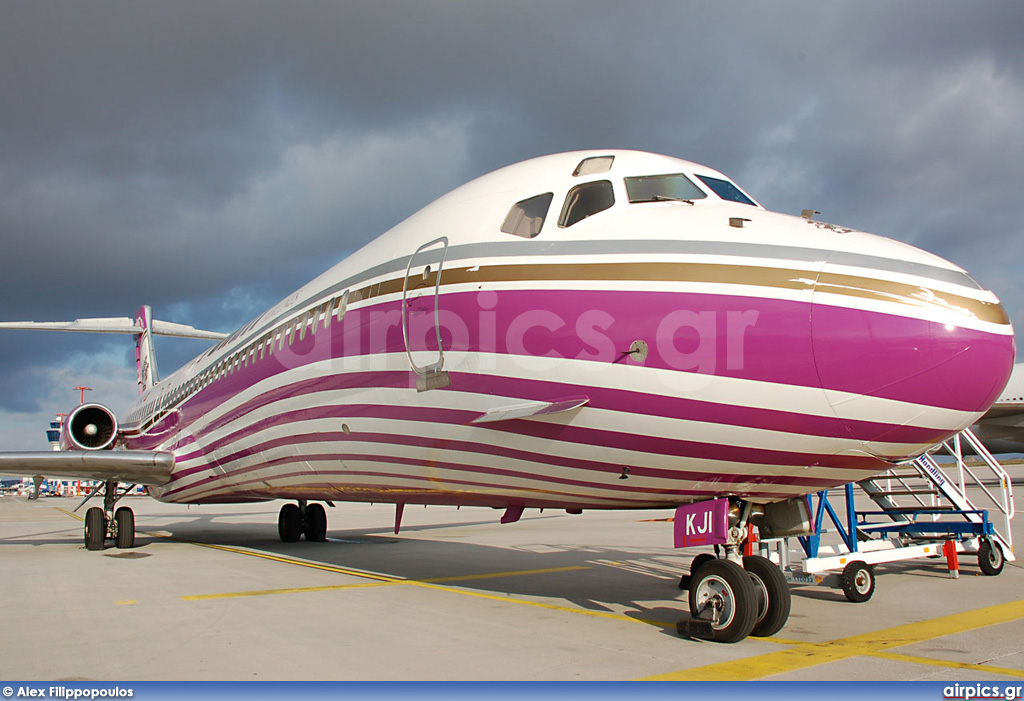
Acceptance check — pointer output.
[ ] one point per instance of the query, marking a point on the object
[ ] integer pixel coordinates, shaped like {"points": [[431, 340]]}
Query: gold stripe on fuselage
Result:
{"points": [[747, 275]]}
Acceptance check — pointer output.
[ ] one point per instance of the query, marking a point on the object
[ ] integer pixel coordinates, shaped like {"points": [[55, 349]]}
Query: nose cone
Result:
{"points": [[908, 341]]}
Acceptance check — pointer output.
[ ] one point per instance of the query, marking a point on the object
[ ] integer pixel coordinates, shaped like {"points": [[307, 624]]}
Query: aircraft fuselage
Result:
{"points": [[597, 353]]}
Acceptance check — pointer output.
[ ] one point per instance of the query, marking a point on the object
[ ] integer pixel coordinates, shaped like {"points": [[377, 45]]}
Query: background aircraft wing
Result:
{"points": [[1004, 410], [135, 466], [1001, 429]]}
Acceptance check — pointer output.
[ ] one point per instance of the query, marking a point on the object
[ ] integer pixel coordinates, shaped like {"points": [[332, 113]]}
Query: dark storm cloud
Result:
{"points": [[208, 157]]}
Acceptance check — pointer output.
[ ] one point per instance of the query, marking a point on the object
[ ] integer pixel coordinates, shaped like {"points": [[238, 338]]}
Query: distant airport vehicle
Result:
{"points": [[588, 330]]}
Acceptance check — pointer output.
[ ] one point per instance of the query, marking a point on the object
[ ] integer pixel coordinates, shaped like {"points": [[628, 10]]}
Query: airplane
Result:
{"points": [[604, 329], [1001, 429]]}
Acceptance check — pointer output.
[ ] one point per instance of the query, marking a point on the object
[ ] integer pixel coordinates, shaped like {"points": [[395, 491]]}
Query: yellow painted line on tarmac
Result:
{"points": [[384, 579], [391, 581], [72, 515], [435, 583], [255, 553], [426, 583], [495, 575], [800, 654], [867, 644], [949, 664], [291, 590], [293, 561], [541, 604]]}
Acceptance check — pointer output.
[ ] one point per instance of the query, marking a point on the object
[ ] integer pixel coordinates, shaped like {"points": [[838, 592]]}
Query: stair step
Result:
{"points": [[905, 492], [890, 478], [901, 509]]}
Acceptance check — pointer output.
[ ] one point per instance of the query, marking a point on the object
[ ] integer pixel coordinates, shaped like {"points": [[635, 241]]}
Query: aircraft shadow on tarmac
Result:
{"points": [[635, 582], [623, 581]]}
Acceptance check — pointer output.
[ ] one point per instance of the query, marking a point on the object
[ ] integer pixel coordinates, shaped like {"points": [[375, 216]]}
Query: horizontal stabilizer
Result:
{"points": [[135, 466], [121, 324], [527, 410]]}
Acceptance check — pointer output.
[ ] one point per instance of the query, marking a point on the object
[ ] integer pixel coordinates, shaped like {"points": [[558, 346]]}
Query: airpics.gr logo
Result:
{"points": [[981, 691]]}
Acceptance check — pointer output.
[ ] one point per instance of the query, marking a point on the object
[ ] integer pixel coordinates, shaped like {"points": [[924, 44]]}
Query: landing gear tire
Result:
{"points": [[684, 581], [858, 580], [772, 594], [990, 558], [289, 523], [722, 594], [124, 518], [95, 528], [316, 523]]}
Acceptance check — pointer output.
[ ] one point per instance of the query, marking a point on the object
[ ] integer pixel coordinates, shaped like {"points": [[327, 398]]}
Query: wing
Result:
{"points": [[1000, 411], [1001, 429], [135, 466], [115, 325]]}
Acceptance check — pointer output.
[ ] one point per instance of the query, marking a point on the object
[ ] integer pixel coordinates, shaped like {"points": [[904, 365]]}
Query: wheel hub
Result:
{"points": [[714, 597]]}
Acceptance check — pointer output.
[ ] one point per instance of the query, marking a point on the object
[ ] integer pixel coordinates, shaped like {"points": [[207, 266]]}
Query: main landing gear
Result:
{"points": [[105, 523], [296, 520]]}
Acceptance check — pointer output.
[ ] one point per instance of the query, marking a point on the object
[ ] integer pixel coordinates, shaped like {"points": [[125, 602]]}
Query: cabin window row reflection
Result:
{"points": [[292, 330]]}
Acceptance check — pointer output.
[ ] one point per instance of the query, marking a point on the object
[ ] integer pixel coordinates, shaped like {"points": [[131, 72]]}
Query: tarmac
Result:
{"points": [[210, 593]]}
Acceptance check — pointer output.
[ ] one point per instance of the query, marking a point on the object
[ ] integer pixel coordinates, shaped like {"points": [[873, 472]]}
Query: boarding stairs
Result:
{"points": [[957, 498], [926, 507]]}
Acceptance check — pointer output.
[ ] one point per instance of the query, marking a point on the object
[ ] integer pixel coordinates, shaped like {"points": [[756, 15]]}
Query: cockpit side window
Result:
{"points": [[726, 190], [663, 188], [585, 200], [527, 217]]}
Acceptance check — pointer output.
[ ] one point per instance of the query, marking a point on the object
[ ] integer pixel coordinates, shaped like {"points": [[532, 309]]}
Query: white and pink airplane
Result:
{"points": [[589, 330]]}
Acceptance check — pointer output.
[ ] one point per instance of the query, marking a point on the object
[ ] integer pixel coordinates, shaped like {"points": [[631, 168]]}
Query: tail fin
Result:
{"points": [[143, 327], [145, 356]]}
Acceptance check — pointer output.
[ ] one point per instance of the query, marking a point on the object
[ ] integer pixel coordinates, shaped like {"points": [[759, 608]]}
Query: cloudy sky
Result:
{"points": [[209, 157]]}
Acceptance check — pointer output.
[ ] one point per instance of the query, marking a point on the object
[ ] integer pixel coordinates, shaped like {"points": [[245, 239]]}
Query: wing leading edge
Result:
{"points": [[115, 325], [135, 466]]}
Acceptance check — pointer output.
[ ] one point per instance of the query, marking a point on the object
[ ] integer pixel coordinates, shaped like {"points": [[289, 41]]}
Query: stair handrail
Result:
{"points": [[1005, 505]]}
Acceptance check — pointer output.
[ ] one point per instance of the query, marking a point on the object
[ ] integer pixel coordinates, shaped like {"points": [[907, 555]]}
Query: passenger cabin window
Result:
{"points": [[585, 200], [594, 165], [726, 190], [663, 188], [527, 217]]}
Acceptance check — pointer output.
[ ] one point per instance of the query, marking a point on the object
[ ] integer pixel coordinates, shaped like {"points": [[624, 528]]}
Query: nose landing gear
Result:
{"points": [[722, 598], [732, 596], [729, 602]]}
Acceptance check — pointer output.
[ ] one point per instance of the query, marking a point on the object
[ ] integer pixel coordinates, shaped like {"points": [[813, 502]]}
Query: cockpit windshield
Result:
{"points": [[662, 188], [726, 190]]}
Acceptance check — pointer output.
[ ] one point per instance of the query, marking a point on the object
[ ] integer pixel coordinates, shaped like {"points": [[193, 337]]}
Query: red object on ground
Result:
{"points": [[952, 561]]}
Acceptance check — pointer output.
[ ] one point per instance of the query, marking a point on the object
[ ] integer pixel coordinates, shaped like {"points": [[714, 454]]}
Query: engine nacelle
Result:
{"points": [[89, 427]]}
